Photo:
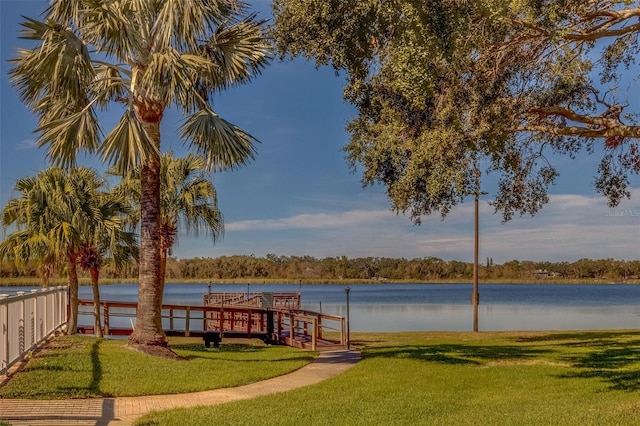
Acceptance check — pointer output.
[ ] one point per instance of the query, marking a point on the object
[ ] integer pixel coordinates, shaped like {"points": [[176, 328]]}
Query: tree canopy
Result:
{"points": [[444, 86]]}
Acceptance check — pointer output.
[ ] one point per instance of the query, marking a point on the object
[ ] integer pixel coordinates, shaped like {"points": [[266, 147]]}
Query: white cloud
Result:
{"points": [[568, 228], [313, 221], [26, 144]]}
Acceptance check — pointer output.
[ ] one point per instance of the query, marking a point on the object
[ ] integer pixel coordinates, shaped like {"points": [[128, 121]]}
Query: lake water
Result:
{"points": [[435, 307]]}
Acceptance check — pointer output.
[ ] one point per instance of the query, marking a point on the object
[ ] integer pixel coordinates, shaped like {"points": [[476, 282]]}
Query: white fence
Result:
{"points": [[27, 319]]}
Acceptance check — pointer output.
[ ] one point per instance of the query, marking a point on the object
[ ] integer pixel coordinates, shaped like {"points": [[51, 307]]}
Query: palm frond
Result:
{"points": [[60, 67], [68, 134], [222, 144], [239, 50], [128, 144], [165, 76], [184, 23], [116, 29], [110, 83]]}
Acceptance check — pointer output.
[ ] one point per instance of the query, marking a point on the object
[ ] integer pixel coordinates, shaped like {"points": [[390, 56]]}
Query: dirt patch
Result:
{"points": [[156, 350]]}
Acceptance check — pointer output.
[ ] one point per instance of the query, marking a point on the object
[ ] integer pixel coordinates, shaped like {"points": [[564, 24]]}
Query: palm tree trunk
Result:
{"points": [[148, 329], [163, 265], [46, 273], [97, 324], [72, 322]]}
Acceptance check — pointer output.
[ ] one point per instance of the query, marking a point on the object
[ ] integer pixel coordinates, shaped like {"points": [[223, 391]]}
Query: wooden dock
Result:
{"points": [[273, 318]]}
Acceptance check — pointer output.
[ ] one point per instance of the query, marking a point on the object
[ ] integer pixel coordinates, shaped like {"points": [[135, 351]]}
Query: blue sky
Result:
{"points": [[299, 197]]}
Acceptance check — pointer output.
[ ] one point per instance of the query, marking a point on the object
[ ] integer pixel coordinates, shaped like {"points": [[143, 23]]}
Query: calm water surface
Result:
{"points": [[443, 307]]}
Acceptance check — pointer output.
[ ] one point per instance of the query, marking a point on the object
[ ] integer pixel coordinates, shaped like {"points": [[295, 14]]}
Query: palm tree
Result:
{"points": [[18, 248], [106, 234], [146, 55], [41, 233], [54, 215], [187, 199]]}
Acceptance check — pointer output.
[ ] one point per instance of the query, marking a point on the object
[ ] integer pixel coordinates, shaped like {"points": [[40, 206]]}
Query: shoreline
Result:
{"points": [[36, 282]]}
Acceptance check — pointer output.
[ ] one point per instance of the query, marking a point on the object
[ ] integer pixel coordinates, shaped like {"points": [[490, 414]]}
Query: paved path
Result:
{"points": [[124, 411]]}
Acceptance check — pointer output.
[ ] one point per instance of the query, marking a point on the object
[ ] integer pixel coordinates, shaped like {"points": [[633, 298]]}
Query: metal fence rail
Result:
{"points": [[27, 319]]}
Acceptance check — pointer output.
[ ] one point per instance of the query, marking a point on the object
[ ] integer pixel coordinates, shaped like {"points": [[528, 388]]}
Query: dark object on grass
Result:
{"points": [[211, 336]]}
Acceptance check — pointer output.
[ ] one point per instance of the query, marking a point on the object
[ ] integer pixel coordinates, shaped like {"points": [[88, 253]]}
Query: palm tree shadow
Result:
{"points": [[92, 389], [96, 368]]}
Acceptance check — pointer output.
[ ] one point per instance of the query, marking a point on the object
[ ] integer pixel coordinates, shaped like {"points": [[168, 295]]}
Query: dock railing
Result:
{"points": [[307, 329], [258, 300], [27, 319], [296, 327]]}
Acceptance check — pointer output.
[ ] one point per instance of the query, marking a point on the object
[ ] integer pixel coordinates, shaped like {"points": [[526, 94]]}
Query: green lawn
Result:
{"points": [[528, 378], [572, 378], [85, 367]]}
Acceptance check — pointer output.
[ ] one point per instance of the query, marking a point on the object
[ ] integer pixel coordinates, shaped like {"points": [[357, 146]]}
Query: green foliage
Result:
{"points": [[188, 199], [85, 367], [308, 269], [443, 86], [145, 56], [334, 269], [58, 214]]}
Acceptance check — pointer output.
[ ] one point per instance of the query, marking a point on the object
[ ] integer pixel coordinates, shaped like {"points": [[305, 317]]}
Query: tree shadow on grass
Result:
{"points": [[194, 350], [93, 388], [199, 351], [96, 368], [456, 353], [200, 347], [617, 364], [581, 338], [613, 357]]}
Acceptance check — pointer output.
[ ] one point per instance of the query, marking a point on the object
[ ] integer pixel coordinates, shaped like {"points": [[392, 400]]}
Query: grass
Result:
{"points": [[86, 367], [515, 378], [529, 378]]}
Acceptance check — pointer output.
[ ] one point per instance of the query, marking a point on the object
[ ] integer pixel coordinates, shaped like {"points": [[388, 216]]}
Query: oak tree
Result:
{"points": [[442, 86]]}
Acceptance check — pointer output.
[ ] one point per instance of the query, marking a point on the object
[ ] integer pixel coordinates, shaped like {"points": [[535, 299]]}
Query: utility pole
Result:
{"points": [[475, 296]]}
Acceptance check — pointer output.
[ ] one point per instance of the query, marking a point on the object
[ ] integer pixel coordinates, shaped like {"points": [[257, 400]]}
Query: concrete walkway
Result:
{"points": [[124, 411]]}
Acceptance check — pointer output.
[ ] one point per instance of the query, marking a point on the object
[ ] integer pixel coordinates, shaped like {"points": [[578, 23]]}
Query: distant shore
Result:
{"points": [[17, 282]]}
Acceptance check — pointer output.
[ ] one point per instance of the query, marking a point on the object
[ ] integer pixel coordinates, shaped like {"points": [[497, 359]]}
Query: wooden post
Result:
{"points": [[279, 325], [105, 315], [221, 319], [171, 319], [204, 319], [314, 333], [291, 325], [187, 320]]}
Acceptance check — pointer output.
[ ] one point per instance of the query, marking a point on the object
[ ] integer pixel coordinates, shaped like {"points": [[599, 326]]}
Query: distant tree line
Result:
{"points": [[308, 268]]}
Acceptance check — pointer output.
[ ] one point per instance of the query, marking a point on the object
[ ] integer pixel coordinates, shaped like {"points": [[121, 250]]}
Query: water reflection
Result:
{"points": [[415, 317]]}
